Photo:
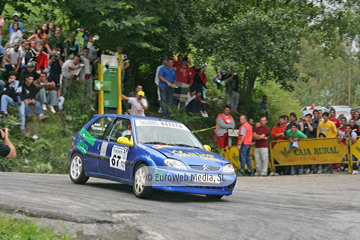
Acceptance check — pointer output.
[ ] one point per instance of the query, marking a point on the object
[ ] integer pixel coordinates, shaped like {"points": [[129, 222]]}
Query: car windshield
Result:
{"points": [[162, 132]]}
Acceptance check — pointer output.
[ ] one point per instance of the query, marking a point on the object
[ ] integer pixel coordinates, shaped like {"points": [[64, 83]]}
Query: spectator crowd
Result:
{"points": [[313, 125], [41, 66]]}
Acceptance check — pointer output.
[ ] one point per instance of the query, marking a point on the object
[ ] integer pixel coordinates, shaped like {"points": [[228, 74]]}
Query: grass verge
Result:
{"points": [[13, 229]]}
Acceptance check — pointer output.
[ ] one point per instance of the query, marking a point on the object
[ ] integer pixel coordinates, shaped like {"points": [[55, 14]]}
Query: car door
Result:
{"points": [[116, 163], [93, 137]]}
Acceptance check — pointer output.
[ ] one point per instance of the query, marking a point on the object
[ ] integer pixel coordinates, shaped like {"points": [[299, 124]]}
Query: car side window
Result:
{"points": [[121, 128], [97, 129]]}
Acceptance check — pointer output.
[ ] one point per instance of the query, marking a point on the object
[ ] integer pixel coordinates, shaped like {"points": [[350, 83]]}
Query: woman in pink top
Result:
{"points": [[37, 36]]}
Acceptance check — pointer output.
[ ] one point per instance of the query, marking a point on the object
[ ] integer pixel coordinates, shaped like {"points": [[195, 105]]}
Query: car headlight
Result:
{"points": [[228, 168], [175, 163]]}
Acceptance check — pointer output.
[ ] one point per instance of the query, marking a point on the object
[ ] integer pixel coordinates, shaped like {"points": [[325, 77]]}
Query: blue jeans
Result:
{"points": [[245, 156], [5, 101], [38, 109], [9, 68], [166, 95]]}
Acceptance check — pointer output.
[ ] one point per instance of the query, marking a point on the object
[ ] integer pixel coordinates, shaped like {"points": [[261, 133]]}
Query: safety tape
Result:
{"points": [[202, 130]]}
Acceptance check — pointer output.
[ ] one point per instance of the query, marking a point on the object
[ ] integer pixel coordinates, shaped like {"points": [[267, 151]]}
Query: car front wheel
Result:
{"points": [[142, 184], [77, 173]]}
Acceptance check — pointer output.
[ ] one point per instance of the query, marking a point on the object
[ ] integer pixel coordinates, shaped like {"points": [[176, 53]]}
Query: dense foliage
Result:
{"points": [[261, 40], [305, 46]]}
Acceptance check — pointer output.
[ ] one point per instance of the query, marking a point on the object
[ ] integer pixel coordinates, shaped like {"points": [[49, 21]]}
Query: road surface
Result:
{"points": [[314, 206]]}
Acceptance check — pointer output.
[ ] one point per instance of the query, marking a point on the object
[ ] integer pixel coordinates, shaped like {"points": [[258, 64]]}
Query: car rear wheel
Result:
{"points": [[214, 196], [77, 173], [142, 186]]}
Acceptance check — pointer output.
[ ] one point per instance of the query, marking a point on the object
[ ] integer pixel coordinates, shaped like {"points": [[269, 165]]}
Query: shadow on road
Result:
{"points": [[159, 195]]}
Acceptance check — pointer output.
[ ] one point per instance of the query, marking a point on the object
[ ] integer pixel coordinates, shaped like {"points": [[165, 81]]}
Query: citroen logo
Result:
{"points": [[206, 168]]}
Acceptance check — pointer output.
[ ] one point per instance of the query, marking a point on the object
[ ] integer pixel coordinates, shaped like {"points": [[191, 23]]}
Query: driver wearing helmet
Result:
{"points": [[127, 133]]}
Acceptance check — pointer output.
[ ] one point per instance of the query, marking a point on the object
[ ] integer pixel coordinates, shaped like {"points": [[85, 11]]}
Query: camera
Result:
{"points": [[57, 52]]}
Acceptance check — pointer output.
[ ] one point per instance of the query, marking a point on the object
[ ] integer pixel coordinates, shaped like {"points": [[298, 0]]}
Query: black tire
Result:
{"points": [[214, 196], [142, 186], [76, 171]]}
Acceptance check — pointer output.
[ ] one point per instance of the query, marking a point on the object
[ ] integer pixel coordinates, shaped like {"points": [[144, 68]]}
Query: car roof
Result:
{"points": [[135, 117], [339, 106]]}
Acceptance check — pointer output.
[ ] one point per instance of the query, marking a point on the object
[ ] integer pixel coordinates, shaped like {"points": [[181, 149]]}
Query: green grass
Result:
{"points": [[13, 229]]}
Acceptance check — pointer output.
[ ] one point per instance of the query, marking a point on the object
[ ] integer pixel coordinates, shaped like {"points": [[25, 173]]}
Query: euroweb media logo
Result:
{"points": [[285, 152]]}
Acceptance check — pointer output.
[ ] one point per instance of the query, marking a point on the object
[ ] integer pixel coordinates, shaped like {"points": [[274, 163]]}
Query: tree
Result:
{"points": [[261, 39]]}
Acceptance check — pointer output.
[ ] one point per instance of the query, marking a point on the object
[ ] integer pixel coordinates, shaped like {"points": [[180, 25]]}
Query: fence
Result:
{"points": [[310, 152]]}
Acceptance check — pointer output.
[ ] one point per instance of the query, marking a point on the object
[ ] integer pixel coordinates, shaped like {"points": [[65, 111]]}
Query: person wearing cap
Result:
{"points": [[16, 17], [138, 103], [29, 69]]}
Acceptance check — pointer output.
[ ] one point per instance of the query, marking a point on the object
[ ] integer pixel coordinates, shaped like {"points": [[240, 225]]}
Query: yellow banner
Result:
{"points": [[355, 149], [310, 151], [232, 154]]}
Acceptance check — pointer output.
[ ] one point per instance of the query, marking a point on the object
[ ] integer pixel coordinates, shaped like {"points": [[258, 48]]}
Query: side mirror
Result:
{"points": [[207, 147], [125, 141]]}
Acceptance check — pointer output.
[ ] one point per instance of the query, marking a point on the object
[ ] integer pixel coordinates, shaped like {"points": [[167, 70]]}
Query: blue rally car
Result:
{"points": [[148, 153]]}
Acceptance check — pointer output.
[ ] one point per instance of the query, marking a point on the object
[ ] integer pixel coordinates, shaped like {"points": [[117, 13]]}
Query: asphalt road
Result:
{"points": [[319, 206]]}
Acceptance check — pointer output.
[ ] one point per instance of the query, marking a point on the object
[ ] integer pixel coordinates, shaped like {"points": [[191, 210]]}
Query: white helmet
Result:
{"points": [[126, 133]]}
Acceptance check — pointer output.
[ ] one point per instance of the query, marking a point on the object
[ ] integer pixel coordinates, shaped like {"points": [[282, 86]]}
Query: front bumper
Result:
{"points": [[199, 182]]}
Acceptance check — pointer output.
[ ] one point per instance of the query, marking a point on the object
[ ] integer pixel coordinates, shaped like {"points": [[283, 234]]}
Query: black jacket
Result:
{"points": [[9, 91], [26, 92]]}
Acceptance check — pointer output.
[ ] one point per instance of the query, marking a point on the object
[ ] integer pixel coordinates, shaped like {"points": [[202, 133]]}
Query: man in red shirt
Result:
{"points": [[185, 76], [312, 107], [261, 135], [244, 145], [279, 129], [333, 118], [42, 60]]}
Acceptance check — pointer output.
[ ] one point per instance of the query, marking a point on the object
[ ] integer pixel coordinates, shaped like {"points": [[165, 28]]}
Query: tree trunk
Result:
{"points": [[248, 88], [2, 7]]}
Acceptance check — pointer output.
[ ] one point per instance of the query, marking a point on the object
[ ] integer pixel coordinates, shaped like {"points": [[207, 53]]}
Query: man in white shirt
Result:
{"points": [[86, 72], [13, 59], [70, 70], [138, 103], [164, 60]]}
